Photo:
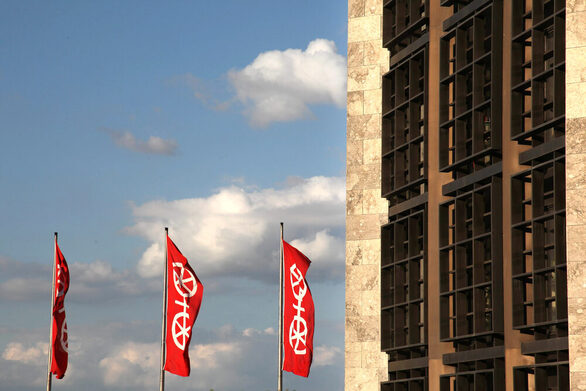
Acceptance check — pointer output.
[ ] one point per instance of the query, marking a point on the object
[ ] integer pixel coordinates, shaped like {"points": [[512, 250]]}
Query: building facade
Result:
{"points": [[466, 195]]}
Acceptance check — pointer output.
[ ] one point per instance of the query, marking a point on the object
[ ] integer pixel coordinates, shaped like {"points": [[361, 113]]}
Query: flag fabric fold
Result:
{"points": [[59, 338], [184, 295], [298, 313]]}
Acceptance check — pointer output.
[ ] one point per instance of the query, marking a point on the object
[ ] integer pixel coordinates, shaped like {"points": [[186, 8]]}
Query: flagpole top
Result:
{"points": [[56, 235], [167, 230]]}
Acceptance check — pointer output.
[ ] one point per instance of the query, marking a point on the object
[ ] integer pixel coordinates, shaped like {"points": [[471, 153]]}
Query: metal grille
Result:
{"points": [[538, 71], [404, 21], [471, 264], [470, 92], [403, 286], [404, 125], [404, 185]]}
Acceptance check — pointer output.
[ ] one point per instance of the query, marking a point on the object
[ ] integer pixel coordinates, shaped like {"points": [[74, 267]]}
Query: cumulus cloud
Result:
{"points": [[279, 86], [19, 283], [16, 351], [326, 355], [153, 146], [139, 359], [323, 249], [235, 232], [125, 356], [99, 282], [94, 282]]}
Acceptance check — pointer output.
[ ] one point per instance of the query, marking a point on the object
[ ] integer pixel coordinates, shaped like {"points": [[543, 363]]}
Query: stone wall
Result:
{"points": [[365, 364], [576, 187]]}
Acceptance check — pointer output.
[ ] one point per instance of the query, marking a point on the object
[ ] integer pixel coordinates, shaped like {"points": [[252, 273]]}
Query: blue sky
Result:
{"points": [[218, 119]]}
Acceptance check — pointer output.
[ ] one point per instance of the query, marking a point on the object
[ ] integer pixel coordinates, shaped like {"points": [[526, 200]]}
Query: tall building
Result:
{"points": [[466, 195]]}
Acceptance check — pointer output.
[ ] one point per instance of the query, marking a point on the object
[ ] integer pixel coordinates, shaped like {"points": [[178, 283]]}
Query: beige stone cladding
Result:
{"points": [[365, 364], [576, 187]]}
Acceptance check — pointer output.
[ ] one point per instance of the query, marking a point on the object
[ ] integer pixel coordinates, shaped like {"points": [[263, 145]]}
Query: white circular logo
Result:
{"points": [[184, 280]]}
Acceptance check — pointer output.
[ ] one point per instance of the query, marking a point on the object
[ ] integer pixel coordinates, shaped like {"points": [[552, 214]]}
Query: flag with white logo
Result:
{"points": [[184, 294], [298, 313], [59, 344]]}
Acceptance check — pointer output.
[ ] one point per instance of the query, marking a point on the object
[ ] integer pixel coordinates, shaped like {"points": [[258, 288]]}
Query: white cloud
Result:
{"points": [[24, 288], [92, 282], [325, 250], [326, 355], [99, 282], [153, 146], [16, 351], [235, 232], [132, 365], [278, 86], [125, 356]]}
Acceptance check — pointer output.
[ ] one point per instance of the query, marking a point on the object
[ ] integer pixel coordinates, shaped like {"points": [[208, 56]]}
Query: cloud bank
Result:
{"points": [[235, 232], [153, 146], [131, 362], [279, 86]]}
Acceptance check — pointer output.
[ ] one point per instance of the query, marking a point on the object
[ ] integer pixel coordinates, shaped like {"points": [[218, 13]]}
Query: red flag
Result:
{"points": [[59, 339], [184, 294], [298, 313]]}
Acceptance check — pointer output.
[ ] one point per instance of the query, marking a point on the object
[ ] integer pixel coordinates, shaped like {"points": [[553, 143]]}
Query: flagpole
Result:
{"points": [[50, 355], [280, 379], [164, 321]]}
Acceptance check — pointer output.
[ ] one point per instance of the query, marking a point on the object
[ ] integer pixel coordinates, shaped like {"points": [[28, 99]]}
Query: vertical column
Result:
{"points": [[437, 179], [365, 364], [576, 188]]}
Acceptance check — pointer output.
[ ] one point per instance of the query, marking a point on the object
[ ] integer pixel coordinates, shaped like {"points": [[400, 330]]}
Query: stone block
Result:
{"points": [[576, 243], [355, 54], [373, 7], [354, 202], [362, 127], [365, 28], [575, 65], [372, 151], [364, 78], [353, 304], [363, 328], [577, 345], [576, 315], [366, 176], [575, 207], [352, 354], [576, 275], [362, 379], [575, 6], [355, 8], [373, 203], [576, 171], [363, 252], [355, 102], [370, 303], [374, 53], [577, 380], [575, 135], [354, 153], [373, 101], [575, 32], [362, 278], [575, 94]]}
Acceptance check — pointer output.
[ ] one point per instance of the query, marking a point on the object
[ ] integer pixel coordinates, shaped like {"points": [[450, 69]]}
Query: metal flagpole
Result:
{"points": [[49, 375], [281, 260], [164, 322]]}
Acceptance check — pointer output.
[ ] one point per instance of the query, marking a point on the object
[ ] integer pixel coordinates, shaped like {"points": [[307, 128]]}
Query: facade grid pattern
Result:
{"points": [[538, 194], [404, 185]]}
